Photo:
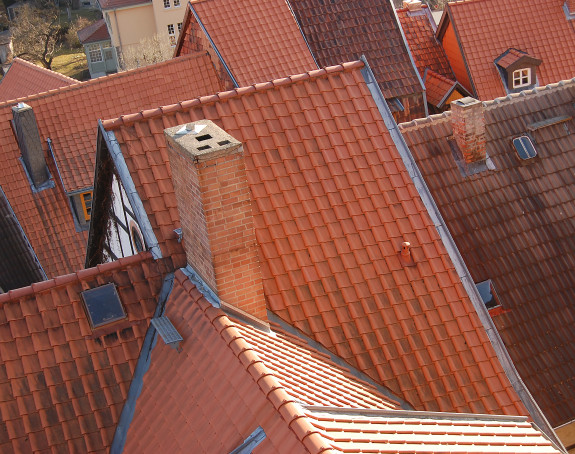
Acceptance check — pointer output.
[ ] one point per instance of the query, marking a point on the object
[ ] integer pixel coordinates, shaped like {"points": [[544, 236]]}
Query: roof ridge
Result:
{"points": [[66, 279], [531, 92], [42, 69], [98, 80], [124, 120], [287, 406], [440, 76], [420, 122]]}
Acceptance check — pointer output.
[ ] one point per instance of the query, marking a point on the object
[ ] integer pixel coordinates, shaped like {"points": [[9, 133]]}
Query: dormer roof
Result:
{"points": [[512, 59]]}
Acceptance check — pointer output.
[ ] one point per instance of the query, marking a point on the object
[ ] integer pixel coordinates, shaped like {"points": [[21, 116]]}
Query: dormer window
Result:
{"points": [[518, 70], [522, 78]]}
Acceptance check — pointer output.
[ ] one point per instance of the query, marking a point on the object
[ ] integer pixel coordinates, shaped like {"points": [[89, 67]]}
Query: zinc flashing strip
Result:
{"points": [[213, 44], [302, 33], [142, 367], [250, 443], [457, 259], [131, 192], [201, 285], [28, 245]]}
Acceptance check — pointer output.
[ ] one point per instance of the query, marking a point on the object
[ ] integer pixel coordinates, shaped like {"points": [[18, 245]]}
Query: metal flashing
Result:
{"points": [[202, 26], [209, 294], [457, 259], [142, 367], [167, 331], [49, 184], [250, 443], [131, 192]]}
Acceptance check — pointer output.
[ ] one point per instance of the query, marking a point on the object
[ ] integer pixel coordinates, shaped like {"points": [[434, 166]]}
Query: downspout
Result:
{"points": [[455, 256]]}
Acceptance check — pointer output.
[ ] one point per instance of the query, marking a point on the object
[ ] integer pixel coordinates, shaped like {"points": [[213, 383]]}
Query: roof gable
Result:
{"points": [[25, 79], [486, 28], [333, 204]]}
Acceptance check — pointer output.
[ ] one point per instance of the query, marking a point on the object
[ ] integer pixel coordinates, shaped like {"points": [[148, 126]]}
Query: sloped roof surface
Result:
{"points": [[250, 368], [334, 202], [258, 40], [343, 30], [68, 116], [514, 225], [25, 78], [98, 31], [426, 49], [438, 87], [487, 28], [63, 386], [409, 432]]}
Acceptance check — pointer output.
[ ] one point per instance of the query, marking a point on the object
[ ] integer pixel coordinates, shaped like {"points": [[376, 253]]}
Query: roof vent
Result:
{"points": [[205, 140], [28, 137], [167, 332], [103, 305]]}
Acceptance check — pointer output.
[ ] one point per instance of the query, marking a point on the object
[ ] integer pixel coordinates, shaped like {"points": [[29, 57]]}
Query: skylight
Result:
{"points": [[103, 305], [488, 294], [524, 147]]}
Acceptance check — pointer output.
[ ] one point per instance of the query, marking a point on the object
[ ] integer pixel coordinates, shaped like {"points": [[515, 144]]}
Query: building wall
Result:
{"points": [[453, 52], [129, 26], [173, 15]]}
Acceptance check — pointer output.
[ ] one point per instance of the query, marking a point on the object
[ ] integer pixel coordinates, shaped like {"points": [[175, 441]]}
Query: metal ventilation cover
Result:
{"points": [[167, 331]]}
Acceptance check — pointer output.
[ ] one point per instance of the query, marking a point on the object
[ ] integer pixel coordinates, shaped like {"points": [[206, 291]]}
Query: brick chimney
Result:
{"points": [[468, 122], [215, 207], [26, 130], [413, 5]]}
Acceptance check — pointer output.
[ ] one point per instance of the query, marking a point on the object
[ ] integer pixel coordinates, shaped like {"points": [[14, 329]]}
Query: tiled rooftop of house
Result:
{"points": [[25, 78], [68, 117], [259, 41], [419, 28], [333, 204], [98, 31], [340, 31], [438, 88], [62, 384], [514, 225], [231, 378], [487, 28]]}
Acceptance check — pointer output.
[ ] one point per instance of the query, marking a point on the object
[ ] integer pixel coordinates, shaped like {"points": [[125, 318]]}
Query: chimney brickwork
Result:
{"points": [[215, 206], [30, 144], [468, 123]]}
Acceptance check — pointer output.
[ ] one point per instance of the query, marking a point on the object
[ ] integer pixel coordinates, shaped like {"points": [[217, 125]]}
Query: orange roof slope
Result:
{"points": [[514, 225], [255, 376], [343, 30], [425, 48], [487, 28], [62, 385], [98, 31], [438, 88], [258, 40], [410, 432], [25, 79], [68, 116], [333, 204]]}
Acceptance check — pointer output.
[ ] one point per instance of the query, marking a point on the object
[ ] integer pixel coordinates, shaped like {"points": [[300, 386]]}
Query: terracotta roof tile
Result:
{"points": [[98, 31], [419, 28], [487, 28], [68, 116], [366, 272], [259, 41], [59, 380], [24, 79], [438, 88], [344, 30], [501, 220]]}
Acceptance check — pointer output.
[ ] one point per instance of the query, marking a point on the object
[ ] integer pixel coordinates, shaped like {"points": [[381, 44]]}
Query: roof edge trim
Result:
{"points": [[459, 264], [302, 33], [414, 414], [131, 192]]}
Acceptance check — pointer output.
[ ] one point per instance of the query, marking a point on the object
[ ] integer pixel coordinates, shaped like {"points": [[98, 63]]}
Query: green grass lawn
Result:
{"points": [[72, 63]]}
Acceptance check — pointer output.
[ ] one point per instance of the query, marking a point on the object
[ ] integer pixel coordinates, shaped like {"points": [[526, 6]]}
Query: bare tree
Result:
{"points": [[37, 33], [150, 50]]}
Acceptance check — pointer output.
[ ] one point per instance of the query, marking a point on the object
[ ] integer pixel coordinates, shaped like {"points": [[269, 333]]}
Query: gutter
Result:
{"points": [[455, 256]]}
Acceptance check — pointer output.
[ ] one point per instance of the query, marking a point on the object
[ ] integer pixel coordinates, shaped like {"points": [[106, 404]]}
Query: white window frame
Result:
{"points": [[167, 4], [177, 3], [94, 50], [179, 27], [521, 77], [172, 34]]}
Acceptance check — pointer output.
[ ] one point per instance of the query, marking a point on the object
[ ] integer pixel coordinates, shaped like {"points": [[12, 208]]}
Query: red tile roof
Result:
{"points": [[487, 28], [24, 78], [342, 31], [438, 88], [333, 204], [410, 432], [62, 385], [98, 31], [68, 116], [514, 225], [258, 40], [419, 28]]}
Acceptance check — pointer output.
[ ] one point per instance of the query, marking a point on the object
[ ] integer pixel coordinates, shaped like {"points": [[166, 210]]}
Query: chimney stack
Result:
{"points": [[30, 144], [468, 122], [413, 5], [214, 202]]}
